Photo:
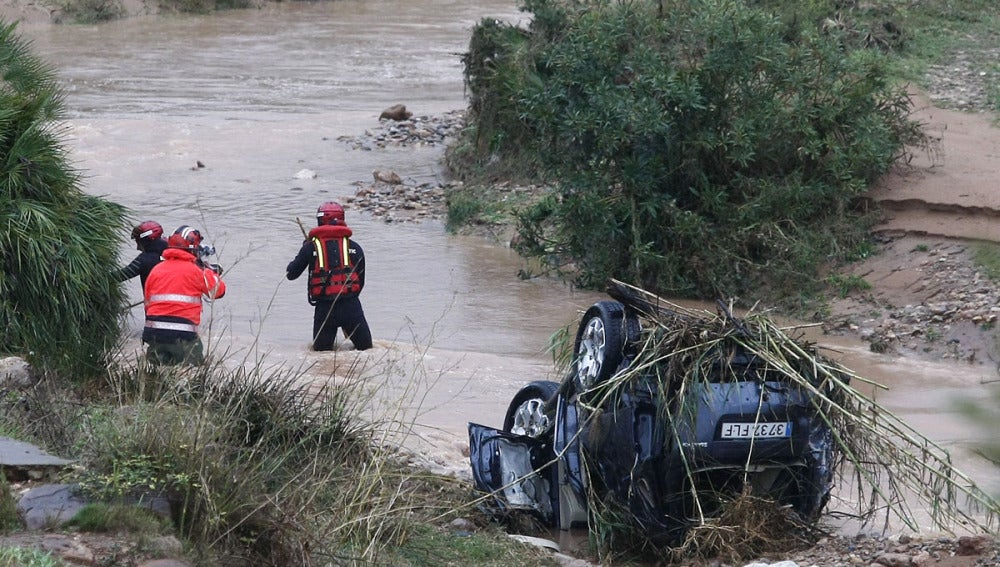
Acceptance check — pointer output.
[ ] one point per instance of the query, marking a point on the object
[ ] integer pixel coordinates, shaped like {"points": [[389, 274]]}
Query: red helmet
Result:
{"points": [[330, 213], [148, 231], [185, 238]]}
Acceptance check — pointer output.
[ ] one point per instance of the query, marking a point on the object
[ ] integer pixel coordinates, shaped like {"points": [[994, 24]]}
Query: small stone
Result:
{"points": [[974, 545], [921, 559], [15, 371], [462, 524], [893, 560]]}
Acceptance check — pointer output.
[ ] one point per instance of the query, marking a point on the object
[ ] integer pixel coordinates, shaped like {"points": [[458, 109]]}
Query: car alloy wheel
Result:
{"points": [[528, 413]]}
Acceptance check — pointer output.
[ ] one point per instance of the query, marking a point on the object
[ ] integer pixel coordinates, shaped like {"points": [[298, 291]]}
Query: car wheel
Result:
{"points": [[527, 413], [604, 335]]}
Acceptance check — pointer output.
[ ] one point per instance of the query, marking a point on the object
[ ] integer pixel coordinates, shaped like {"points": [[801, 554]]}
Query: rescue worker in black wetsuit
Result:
{"points": [[336, 277], [149, 241]]}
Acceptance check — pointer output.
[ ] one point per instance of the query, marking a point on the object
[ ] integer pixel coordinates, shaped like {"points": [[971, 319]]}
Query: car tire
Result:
{"points": [[528, 413], [605, 335]]}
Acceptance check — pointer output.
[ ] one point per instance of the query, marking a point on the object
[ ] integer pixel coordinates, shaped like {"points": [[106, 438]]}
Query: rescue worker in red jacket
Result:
{"points": [[174, 292], [149, 241], [336, 277]]}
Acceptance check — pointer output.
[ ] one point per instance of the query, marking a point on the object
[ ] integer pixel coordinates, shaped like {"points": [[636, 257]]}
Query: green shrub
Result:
{"points": [[186, 6], [26, 557], [462, 209], [236, 4], [59, 298], [845, 285], [111, 518], [987, 258], [204, 6], [92, 11], [699, 151], [9, 520]]}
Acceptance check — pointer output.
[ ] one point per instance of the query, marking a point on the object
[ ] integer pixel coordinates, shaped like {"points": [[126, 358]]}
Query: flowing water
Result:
{"points": [[258, 95]]}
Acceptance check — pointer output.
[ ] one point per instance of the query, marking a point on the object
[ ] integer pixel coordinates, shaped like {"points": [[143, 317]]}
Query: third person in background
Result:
{"points": [[336, 277]]}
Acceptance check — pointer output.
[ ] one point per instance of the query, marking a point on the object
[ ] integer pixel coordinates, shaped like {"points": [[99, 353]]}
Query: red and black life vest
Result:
{"points": [[332, 272]]}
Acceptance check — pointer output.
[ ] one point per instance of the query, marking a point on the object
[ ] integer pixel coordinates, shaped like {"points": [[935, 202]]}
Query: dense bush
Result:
{"points": [[59, 299], [92, 11], [204, 6], [697, 147]]}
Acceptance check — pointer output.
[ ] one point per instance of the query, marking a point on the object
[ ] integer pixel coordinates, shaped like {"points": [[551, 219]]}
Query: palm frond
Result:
{"points": [[58, 254]]}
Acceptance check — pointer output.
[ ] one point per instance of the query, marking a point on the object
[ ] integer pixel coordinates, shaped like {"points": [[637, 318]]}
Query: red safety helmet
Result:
{"points": [[185, 238], [330, 213], [148, 231]]}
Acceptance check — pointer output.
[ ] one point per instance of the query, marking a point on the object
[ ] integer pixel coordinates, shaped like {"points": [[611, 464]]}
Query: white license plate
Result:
{"points": [[759, 430]]}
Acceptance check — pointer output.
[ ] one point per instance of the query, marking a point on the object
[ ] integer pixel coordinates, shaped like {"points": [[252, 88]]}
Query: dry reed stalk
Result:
{"points": [[892, 462]]}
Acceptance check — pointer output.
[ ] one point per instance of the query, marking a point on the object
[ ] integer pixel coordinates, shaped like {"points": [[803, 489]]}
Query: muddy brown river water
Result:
{"points": [[258, 96]]}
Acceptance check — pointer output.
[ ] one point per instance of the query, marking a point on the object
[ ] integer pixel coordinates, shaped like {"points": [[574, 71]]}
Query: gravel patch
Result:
{"points": [[928, 300], [966, 82], [387, 195]]}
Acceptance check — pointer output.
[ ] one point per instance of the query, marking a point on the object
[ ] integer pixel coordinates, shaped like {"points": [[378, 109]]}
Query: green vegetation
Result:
{"points": [[259, 465], [704, 148], [112, 518], [431, 546], [464, 208], [932, 334], [97, 11], [91, 11], [987, 257], [23, 557], [8, 507], [487, 206], [205, 6], [845, 285], [59, 300]]}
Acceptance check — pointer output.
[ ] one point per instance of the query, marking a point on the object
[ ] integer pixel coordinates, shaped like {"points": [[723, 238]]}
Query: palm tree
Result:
{"points": [[60, 302]]}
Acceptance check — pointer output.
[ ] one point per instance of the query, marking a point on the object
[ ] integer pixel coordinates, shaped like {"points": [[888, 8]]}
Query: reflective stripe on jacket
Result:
{"points": [[332, 272], [168, 326], [176, 285]]}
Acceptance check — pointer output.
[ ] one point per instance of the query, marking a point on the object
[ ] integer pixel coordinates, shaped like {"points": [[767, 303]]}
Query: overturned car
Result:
{"points": [[664, 414]]}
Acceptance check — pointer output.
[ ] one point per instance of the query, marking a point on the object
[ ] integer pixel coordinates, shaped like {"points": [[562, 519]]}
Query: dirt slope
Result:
{"points": [[952, 192], [928, 297]]}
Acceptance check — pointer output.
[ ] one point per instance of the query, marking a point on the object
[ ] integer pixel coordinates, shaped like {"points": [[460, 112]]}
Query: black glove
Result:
{"points": [[215, 268]]}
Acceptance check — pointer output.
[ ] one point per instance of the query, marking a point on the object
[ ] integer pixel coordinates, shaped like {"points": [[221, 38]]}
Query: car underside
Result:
{"points": [[664, 436]]}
